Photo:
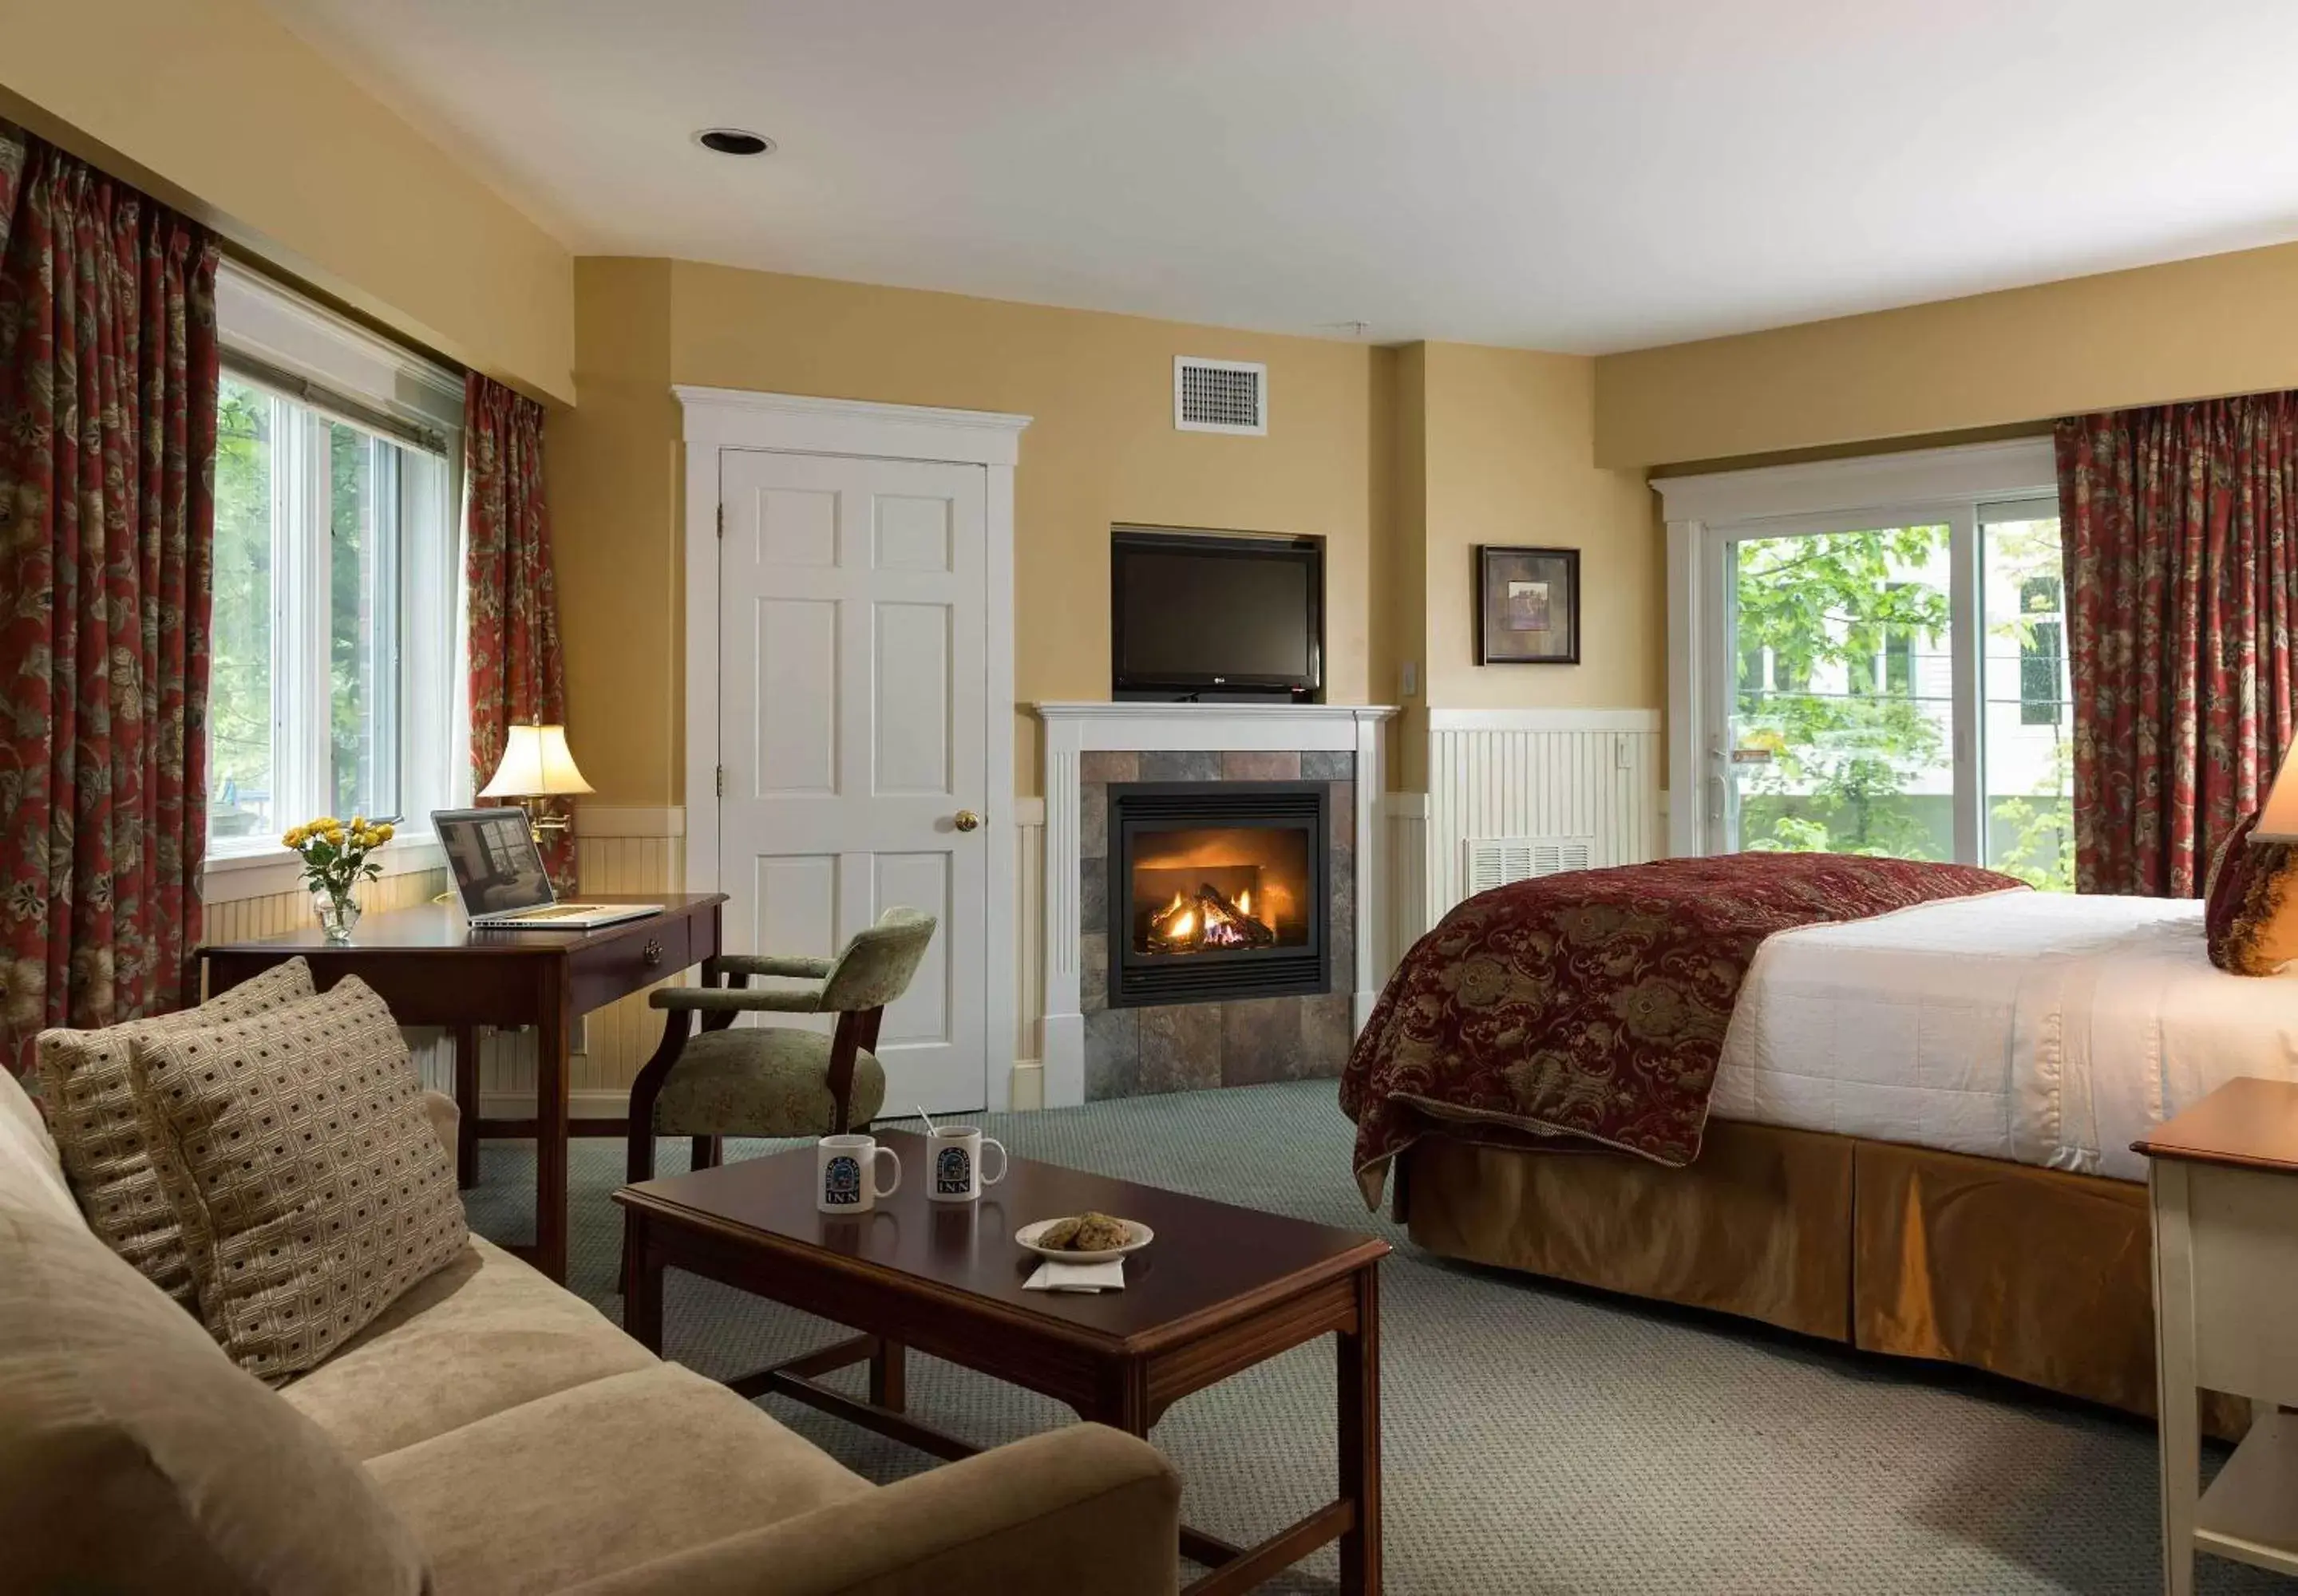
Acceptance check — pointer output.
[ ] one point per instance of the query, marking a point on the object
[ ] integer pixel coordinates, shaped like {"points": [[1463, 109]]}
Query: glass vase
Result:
{"points": [[337, 915]]}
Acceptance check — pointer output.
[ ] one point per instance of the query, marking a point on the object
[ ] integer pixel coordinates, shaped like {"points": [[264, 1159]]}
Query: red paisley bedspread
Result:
{"points": [[1592, 1005]]}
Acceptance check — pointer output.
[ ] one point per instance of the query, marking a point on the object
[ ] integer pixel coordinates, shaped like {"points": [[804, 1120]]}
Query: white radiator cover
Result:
{"points": [[1569, 778]]}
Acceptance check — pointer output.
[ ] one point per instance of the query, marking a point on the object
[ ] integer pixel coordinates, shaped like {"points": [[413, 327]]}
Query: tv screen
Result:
{"points": [[1197, 610]]}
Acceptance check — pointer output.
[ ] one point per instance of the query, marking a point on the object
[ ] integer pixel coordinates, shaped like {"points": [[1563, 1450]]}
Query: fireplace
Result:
{"points": [[1217, 889]]}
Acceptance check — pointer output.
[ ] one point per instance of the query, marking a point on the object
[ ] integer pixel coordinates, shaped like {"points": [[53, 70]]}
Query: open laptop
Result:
{"points": [[499, 873]]}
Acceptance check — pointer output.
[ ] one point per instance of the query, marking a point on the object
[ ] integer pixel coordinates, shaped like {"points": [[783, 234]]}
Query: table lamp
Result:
{"points": [[535, 770], [2277, 822]]}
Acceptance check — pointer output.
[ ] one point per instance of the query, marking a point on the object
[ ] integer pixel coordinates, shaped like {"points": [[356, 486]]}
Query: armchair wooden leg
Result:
{"points": [[709, 1152]]}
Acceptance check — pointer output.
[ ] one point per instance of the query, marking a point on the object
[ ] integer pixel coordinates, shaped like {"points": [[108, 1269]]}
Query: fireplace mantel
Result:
{"points": [[1071, 730]]}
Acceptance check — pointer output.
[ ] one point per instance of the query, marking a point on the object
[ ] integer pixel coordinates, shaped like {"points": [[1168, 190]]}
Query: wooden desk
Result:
{"points": [[2223, 1179], [432, 969]]}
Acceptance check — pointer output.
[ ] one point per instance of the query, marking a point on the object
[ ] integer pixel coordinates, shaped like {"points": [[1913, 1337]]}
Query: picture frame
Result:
{"points": [[1527, 605]]}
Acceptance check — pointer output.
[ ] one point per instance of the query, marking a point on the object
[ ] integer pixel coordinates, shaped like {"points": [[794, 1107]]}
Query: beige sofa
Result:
{"points": [[490, 1433]]}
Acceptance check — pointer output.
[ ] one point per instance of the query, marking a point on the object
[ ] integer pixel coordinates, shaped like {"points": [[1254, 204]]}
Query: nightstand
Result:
{"points": [[2224, 1178]]}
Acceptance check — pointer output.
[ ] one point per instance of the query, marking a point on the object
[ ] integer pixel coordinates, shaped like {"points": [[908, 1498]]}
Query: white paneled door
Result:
{"points": [[854, 731]]}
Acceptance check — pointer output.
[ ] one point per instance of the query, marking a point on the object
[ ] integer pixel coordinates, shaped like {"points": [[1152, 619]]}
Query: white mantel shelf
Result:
{"points": [[1072, 730]]}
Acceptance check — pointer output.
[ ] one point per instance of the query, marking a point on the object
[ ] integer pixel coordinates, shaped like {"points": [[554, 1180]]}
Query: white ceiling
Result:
{"points": [[1583, 175]]}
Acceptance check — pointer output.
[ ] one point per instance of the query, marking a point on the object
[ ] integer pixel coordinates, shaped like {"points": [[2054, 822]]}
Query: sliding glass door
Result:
{"points": [[1895, 685]]}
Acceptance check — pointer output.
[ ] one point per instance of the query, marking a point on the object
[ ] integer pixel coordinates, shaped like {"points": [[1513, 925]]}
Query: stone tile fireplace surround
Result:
{"points": [[1093, 1051]]}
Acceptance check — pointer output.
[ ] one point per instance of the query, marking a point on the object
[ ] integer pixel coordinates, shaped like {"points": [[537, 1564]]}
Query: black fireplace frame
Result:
{"points": [[1139, 979]]}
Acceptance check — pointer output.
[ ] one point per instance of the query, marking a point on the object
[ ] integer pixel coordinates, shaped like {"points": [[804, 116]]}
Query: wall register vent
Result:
{"points": [[1220, 396], [1495, 861]]}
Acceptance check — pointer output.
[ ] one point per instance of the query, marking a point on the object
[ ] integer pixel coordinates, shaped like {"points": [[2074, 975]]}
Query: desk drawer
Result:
{"points": [[646, 952]]}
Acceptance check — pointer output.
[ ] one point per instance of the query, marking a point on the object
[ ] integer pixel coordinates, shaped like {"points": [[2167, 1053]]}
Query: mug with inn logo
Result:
{"points": [[845, 1176], [953, 1155]]}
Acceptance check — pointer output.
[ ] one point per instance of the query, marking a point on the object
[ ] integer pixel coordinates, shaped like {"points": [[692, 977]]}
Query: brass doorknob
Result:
{"points": [[966, 820]]}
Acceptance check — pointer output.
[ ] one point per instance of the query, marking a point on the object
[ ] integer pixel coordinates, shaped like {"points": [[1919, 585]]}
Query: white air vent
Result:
{"points": [[1219, 396], [1495, 861]]}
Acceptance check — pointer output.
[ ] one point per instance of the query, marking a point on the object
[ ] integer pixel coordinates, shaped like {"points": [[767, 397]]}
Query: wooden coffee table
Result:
{"points": [[1221, 1290]]}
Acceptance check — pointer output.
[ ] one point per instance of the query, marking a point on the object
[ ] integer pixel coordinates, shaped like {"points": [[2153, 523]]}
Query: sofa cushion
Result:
{"points": [[134, 1457], [483, 1334], [298, 1156], [608, 1474], [86, 1082], [31, 1176]]}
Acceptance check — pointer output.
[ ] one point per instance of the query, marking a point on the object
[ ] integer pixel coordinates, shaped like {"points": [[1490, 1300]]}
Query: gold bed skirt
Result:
{"points": [[2030, 1273]]}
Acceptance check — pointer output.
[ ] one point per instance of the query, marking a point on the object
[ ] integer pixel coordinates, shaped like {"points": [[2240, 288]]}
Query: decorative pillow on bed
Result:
{"points": [[299, 1159], [90, 1094], [2250, 912]]}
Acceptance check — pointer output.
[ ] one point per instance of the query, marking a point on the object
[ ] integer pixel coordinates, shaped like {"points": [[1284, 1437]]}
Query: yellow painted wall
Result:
{"points": [[1510, 457], [1405, 570], [221, 112], [2192, 329], [614, 465], [1102, 449]]}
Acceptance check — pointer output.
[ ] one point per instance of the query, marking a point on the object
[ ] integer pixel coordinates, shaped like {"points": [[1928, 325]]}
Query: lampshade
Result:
{"points": [[2277, 822], [535, 763]]}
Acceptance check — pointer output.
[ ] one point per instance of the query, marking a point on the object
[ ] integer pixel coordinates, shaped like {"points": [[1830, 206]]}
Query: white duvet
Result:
{"points": [[2036, 1028]]}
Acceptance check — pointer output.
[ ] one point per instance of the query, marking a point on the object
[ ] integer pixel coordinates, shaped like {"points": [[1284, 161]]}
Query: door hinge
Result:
{"points": [[722, 520], [721, 781]]}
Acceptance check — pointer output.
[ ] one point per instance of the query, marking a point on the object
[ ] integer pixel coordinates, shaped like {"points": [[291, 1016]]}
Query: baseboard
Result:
{"points": [[1028, 1084], [595, 1102]]}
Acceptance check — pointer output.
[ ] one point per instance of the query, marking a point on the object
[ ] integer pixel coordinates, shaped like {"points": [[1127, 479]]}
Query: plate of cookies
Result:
{"points": [[1084, 1237]]}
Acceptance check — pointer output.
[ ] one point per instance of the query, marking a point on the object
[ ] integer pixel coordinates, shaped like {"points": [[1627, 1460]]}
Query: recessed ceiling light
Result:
{"points": [[735, 141]]}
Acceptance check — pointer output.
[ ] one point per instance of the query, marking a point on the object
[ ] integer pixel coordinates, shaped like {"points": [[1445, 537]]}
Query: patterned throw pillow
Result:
{"points": [[2250, 912], [296, 1151], [90, 1098]]}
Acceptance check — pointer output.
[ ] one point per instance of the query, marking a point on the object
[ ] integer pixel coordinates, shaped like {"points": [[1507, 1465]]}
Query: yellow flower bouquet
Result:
{"points": [[335, 855]]}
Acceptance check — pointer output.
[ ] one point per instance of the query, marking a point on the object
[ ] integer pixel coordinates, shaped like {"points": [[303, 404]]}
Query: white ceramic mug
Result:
{"points": [[845, 1174], [953, 1157]]}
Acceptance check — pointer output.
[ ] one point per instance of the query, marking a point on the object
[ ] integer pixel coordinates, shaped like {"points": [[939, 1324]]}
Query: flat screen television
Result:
{"points": [[1214, 615]]}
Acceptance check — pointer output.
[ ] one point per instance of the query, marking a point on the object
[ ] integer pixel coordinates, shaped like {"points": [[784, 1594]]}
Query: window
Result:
{"points": [[1921, 596], [2042, 652], [332, 654]]}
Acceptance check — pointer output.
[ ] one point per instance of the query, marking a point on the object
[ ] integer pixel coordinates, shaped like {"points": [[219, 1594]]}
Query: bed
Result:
{"points": [[1917, 1138]]}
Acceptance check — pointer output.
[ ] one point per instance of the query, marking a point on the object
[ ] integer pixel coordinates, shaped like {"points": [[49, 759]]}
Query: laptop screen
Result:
{"points": [[494, 860]]}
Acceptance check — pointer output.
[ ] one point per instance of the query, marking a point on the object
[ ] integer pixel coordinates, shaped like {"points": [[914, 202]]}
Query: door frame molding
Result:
{"points": [[716, 419], [1704, 512]]}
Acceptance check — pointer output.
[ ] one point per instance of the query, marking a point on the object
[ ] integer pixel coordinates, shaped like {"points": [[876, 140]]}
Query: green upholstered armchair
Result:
{"points": [[732, 1080]]}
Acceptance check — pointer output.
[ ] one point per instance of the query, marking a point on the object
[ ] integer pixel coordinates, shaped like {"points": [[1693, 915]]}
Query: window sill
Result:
{"points": [[271, 870]]}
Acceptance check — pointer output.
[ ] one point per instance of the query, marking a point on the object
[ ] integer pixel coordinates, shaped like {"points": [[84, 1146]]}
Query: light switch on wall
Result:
{"points": [[1411, 683]]}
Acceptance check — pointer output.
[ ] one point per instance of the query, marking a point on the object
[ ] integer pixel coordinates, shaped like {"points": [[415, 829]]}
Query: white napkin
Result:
{"points": [[1077, 1277]]}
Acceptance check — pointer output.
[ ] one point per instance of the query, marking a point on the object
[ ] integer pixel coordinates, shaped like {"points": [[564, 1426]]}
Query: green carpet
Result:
{"points": [[1537, 1438]]}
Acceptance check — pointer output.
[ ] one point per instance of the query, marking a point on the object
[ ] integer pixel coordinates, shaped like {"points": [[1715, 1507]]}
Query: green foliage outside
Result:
{"points": [[1842, 757], [357, 714], [361, 621], [1837, 609], [239, 661]]}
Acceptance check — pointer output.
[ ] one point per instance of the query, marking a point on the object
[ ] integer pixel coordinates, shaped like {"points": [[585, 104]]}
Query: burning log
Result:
{"points": [[1206, 919]]}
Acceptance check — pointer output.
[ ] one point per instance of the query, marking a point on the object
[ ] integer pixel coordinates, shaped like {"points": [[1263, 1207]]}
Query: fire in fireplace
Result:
{"points": [[1217, 890]]}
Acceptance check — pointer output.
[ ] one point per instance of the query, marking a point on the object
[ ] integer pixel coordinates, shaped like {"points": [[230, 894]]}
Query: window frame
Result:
{"points": [[1707, 513], [301, 352]]}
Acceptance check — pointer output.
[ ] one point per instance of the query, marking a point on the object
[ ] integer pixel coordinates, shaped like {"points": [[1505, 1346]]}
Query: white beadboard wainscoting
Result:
{"points": [[617, 849], [274, 914], [1525, 773]]}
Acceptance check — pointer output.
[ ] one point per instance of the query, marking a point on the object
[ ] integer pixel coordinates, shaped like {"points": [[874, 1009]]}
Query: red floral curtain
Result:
{"points": [[517, 673], [2182, 573], [107, 518]]}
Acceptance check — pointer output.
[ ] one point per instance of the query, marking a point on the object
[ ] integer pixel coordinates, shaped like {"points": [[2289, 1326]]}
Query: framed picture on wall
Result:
{"points": [[1527, 605]]}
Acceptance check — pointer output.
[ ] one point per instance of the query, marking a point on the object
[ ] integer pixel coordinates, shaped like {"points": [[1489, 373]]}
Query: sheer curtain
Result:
{"points": [[2182, 573]]}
